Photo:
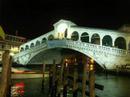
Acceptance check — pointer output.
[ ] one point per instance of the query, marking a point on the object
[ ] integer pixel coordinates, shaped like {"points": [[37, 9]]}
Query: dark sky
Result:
{"points": [[33, 18]]}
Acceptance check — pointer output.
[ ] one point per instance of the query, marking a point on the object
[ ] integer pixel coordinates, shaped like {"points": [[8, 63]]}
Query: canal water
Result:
{"points": [[114, 86]]}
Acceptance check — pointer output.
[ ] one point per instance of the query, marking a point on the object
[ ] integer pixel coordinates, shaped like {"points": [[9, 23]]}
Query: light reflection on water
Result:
{"points": [[114, 86]]}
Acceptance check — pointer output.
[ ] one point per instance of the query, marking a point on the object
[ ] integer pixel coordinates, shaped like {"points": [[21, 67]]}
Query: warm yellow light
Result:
{"points": [[11, 54], [14, 49], [91, 67]]}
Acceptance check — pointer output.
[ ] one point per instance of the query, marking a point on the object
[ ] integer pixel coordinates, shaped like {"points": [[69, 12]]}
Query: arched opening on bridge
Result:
{"points": [[51, 37], [37, 43], [95, 39], [120, 43], [85, 37], [26, 47], [44, 40], [107, 40], [21, 49], [32, 45], [75, 36]]}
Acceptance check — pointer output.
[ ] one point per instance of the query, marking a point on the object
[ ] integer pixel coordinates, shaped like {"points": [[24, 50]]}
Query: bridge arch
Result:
{"points": [[51, 37], [32, 45], [26, 47], [44, 40], [95, 39], [85, 37], [21, 49], [107, 40], [87, 54], [37, 43], [120, 43], [75, 36]]}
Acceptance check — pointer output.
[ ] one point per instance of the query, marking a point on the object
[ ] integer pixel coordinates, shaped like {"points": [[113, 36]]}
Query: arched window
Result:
{"points": [[107, 40], [85, 37], [32, 45], [44, 40], [37, 43], [120, 43], [27, 47], [75, 36], [95, 39], [51, 37], [22, 49]]}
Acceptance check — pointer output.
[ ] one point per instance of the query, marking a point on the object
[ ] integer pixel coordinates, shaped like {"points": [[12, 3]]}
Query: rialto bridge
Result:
{"points": [[107, 47]]}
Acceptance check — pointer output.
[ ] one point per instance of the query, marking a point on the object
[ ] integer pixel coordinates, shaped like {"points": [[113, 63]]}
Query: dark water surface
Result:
{"points": [[114, 86]]}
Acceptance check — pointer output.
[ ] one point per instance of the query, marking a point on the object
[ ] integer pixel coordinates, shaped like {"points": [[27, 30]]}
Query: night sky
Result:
{"points": [[32, 18]]}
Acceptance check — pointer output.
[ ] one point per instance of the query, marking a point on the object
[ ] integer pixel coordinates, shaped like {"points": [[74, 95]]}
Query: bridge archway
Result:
{"points": [[84, 37], [120, 43], [58, 53], [107, 40], [51, 37], [75, 36], [95, 39]]}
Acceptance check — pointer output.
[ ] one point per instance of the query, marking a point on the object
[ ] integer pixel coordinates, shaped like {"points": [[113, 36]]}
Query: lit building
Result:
{"points": [[10, 42]]}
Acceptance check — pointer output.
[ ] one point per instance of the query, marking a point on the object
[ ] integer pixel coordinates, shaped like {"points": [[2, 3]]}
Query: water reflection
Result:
{"points": [[17, 90], [114, 86]]}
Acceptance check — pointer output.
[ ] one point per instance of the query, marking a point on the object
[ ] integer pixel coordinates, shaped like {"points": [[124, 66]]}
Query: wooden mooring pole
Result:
{"points": [[75, 84], [65, 82], [84, 78], [5, 81], [43, 79]]}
